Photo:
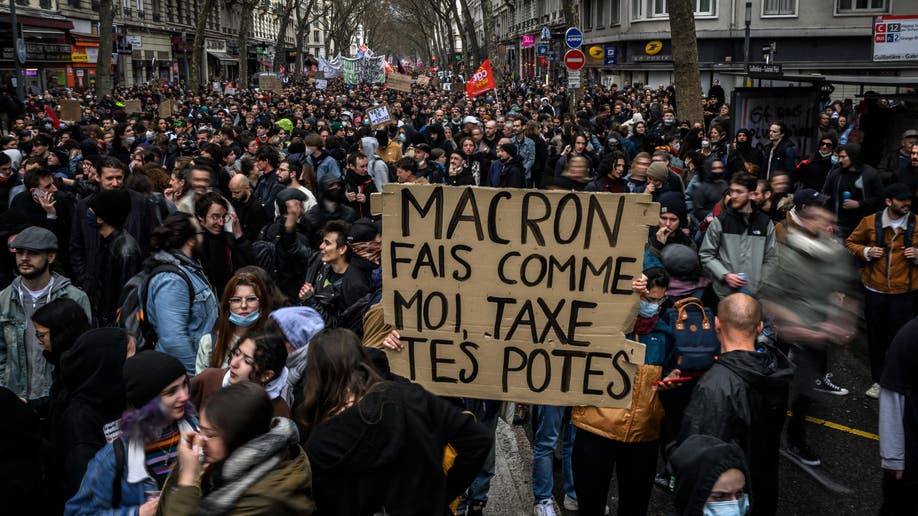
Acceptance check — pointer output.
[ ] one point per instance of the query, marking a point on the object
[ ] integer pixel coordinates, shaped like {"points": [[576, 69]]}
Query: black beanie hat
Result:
{"points": [[697, 463], [112, 206], [510, 149], [147, 373], [672, 202]]}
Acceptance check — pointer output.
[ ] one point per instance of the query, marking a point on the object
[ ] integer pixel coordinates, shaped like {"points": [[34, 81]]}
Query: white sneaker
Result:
{"points": [[571, 503], [544, 508], [873, 391]]}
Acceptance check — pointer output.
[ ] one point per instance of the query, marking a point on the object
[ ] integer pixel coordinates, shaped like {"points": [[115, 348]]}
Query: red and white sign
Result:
{"points": [[574, 59]]}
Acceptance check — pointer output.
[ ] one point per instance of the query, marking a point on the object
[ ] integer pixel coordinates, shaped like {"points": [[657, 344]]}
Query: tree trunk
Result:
{"points": [[104, 62], [686, 76], [197, 53], [471, 37], [247, 7], [280, 46], [486, 26]]}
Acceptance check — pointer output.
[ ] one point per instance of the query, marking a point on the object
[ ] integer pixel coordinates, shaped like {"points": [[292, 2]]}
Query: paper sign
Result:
{"points": [[379, 116], [399, 82], [515, 294], [269, 83], [133, 106], [229, 91], [70, 110], [166, 108], [423, 80], [321, 84]]}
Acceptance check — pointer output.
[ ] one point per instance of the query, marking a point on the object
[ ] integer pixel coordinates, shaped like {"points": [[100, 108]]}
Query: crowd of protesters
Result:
{"points": [[251, 376]]}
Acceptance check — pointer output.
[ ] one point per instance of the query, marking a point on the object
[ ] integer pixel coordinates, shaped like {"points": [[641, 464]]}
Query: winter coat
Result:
{"points": [[94, 497], [739, 243], [14, 358], [865, 186], [358, 184], [120, 261], [743, 399], [607, 184], [376, 166], [512, 174], [386, 453], [93, 398], [783, 158], [266, 189], [893, 273], [180, 326], [268, 475], [324, 165]]}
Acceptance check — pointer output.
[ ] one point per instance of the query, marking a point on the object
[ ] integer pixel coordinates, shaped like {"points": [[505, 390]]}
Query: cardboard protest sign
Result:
{"points": [[269, 83], [166, 108], [133, 106], [513, 294], [379, 116], [423, 80], [70, 110], [399, 82]]}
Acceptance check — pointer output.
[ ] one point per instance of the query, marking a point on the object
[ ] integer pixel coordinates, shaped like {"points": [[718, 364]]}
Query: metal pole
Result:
{"points": [[746, 42], [20, 86]]}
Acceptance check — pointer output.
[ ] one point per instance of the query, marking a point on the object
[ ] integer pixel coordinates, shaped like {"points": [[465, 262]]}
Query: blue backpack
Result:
{"points": [[695, 340]]}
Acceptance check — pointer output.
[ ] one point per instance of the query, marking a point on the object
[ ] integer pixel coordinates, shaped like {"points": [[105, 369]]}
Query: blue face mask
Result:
{"points": [[834, 159], [730, 508], [648, 309], [244, 321], [402, 138], [92, 220]]}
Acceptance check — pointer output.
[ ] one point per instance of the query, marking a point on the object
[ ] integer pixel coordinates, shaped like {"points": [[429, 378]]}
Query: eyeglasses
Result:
{"points": [[825, 144], [39, 335], [249, 300], [248, 359]]}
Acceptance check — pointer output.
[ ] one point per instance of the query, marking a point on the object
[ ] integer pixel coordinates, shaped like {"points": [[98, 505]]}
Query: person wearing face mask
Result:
{"points": [[812, 173], [244, 307], [711, 478], [742, 152], [258, 357], [331, 206], [624, 442]]}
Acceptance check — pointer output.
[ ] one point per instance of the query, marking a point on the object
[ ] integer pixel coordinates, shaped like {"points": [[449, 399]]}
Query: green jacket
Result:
{"points": [[287, 489], [14, 365]]}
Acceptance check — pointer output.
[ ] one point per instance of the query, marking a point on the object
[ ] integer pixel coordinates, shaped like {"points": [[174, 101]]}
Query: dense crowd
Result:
{"points": [[190, 317]]}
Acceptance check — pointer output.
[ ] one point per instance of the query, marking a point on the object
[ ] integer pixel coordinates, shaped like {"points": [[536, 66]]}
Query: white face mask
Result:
{"points": [[729, 508]]}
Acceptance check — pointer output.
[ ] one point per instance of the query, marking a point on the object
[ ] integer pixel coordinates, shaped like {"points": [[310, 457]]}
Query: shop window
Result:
{"points": [[861, 6]]}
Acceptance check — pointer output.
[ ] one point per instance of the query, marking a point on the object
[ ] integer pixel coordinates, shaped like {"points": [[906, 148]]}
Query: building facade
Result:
{"points": [[153, 41]]}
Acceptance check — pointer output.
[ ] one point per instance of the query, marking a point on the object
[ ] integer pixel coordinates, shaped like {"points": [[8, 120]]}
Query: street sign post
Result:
{"points": [[574, 59], [573, 37]]}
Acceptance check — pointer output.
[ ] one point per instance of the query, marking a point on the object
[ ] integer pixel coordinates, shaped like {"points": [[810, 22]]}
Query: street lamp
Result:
{"points": [[746, 42]]}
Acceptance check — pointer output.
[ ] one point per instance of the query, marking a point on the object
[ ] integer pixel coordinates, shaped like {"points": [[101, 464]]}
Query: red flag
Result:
{"points": [[54, 119], [482, 81]]}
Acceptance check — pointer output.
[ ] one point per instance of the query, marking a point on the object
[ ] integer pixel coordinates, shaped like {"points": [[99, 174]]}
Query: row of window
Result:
{"points": [[608, 12]]}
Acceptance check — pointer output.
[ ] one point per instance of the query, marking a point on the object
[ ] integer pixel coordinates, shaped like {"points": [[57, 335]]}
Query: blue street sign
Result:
{"points": [[573, 37], [610, 55], [541, 50]]}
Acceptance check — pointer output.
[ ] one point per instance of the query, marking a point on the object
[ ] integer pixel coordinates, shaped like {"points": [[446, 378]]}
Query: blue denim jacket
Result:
{"points": [[179, 328]]}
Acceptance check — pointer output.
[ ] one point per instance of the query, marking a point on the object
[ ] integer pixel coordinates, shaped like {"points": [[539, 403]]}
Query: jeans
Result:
{"points": [[549, 424], [486, 411]]}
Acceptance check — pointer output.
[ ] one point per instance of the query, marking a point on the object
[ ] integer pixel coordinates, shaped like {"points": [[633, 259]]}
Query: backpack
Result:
{"points": [[693, 332], [132, 309], [881, 237]]}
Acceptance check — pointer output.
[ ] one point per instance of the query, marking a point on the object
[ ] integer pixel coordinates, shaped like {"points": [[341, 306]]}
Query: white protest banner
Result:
{"points": [[514, 294]]}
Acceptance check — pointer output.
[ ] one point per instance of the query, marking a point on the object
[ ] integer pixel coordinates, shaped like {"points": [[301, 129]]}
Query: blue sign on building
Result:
{"points": [[610, 55], [541, 50]]}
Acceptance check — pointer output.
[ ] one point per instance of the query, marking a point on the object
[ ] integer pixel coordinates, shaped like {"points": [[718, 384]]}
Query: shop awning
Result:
{"points": [[84, 40], [51, 23], [222, 56]]}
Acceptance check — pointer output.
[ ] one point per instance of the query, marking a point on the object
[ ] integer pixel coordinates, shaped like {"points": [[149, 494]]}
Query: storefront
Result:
{"points": [[220, 66], [84, 54], [47, 45]]}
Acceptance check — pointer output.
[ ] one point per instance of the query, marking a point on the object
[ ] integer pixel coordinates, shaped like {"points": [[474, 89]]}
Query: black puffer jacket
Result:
{"points": [[743, 399]]}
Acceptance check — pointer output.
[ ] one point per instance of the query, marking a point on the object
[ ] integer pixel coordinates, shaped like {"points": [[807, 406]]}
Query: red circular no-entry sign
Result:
{"points": [[574, 59]]}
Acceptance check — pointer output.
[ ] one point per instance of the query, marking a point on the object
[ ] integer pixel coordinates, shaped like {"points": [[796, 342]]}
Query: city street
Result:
{"points": [[844, 437]]}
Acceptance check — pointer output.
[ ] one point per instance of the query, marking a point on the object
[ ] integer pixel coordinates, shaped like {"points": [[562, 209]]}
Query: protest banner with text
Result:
{"points": [[514, 294]]}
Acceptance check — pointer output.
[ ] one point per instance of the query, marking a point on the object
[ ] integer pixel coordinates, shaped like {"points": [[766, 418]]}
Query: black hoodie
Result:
{"points": [[91, 376], [697, 464], [743, 399]]}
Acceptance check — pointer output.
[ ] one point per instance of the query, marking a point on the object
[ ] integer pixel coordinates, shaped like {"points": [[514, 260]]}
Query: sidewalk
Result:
{"points": [[511, 487]]}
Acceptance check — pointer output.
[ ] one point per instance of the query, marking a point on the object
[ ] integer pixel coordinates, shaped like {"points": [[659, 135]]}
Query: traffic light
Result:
{"points": [[458, 57]]}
